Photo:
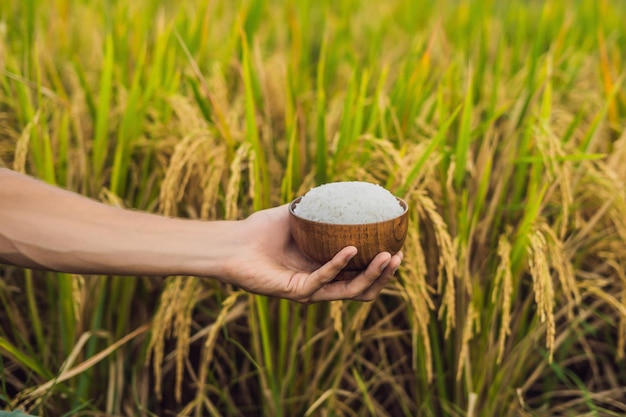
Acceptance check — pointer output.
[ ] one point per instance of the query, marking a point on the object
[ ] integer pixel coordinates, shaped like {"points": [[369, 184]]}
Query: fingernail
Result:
{"points": [[384, 265]]}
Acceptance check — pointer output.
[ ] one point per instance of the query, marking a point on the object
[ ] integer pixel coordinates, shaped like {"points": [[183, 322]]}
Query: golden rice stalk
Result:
{"points": [[209, 345], [227, 305], [563, 267], [447, 260], [542, 285], [189, 116], [503, 290], [177, 300], [252, 161], [621, 330], [336, 314], [182, 328], [559, 173], [210, 182], [358, 320], [384, 159], [188, 409], [218, 88], [615, 160], [21, 148], [621, 326], [185, 157], [603, 194], [471, 317], [78, 295], [607, 185], [106, 196], [617, 213], [410, 155], [415, 290], [234, 181]]}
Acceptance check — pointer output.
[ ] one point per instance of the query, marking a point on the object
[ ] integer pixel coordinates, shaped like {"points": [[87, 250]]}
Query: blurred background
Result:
{"points": [[501, 123]]}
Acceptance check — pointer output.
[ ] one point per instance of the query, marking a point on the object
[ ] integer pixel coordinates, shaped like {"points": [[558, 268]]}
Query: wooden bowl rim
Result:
{"points": [[296, 200]]}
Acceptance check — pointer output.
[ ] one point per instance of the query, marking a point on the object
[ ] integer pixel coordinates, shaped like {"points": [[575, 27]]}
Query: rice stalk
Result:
{"points": [[471, 320], [559, 173], [545, 105], [563, 267], [503, 290], [209, 346], [358, 321], [215, 90], [37, 393], [415, 290], [336, 315], [234, 182], [100, 145], [543, 287], [172, 319], [192, 151], [22, 145], [259, 174], [292, 169], [321, 162], [210, 182], [34, 310], [447, 267], [464, 139], [182, 325]]}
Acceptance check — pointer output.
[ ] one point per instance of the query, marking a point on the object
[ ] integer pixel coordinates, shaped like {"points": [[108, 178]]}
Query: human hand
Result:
{"points": [[268, 262], [48, 228]]}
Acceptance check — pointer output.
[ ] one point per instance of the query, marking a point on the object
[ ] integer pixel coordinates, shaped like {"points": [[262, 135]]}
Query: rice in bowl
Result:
{"points": [[348, 202]]}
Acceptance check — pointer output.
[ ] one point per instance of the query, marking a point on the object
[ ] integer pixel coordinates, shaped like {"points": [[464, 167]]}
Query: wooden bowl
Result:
{"points": [[321, 241]]}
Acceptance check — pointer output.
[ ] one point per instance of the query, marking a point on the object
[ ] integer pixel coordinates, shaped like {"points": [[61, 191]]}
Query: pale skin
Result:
{"points": [[46, 227]]}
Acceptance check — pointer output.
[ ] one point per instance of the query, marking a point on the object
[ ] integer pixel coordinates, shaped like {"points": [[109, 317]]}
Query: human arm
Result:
{"points": [[45, 227]]}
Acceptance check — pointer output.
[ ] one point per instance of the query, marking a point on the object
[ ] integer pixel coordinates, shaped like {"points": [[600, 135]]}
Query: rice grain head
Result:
{"points": [[551, 147], [175, 305], [21, 148], [211, 175], [413, 274], [182, 329], [79, 295], [563, 268], [447, 260], [189, 116], [542, 285], [180, 168], [471, 318], [238, 165], [503, 290], [336, 315]]}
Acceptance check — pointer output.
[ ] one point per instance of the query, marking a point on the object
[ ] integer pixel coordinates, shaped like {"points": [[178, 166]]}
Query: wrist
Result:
{"points": [[209, 249]]}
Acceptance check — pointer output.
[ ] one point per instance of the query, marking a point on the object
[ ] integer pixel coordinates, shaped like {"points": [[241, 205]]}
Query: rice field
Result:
{"points": [[502, 124]]}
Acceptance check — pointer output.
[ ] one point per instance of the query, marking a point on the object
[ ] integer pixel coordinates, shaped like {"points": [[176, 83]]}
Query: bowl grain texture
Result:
{"points": [[321, 241]]}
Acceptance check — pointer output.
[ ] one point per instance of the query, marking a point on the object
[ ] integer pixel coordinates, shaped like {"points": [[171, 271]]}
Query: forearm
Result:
{"points": [[45, 227]]}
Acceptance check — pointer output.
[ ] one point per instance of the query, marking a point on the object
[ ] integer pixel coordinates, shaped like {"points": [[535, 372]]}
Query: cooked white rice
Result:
{"points": [[348, 202]]}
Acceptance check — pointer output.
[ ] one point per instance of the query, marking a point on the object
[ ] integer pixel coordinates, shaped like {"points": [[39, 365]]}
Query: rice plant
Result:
{"points": [[500, 123]]}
